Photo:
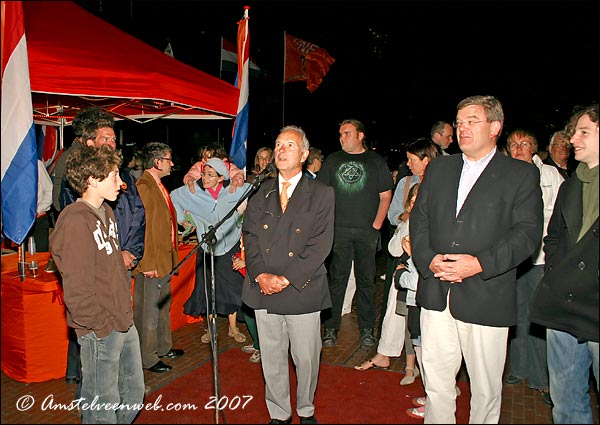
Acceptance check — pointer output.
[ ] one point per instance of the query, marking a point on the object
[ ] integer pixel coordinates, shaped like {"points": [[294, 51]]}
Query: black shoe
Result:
{"points": [[279, 421], [512, 380], [72, 380], [173, 353], [308, 420], [367, 339], [160, 367], [546, 397], [330, 337]]}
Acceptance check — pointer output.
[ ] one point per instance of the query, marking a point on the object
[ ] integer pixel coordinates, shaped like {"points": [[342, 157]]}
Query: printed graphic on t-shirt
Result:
{"points": [[106, 241], [351, 176]]}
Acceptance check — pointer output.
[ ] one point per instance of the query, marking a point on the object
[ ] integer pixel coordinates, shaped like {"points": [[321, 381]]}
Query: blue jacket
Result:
{"points": [[131, 217], [206, 211]]}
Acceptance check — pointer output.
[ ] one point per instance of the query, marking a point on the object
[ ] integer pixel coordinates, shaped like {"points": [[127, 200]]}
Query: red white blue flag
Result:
{"points": [[19, 151], [47, 144], [229, 59], [240, 129]]}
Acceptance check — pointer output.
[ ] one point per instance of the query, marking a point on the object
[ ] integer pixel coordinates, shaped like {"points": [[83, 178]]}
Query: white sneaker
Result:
{"points": [[255, 357]]}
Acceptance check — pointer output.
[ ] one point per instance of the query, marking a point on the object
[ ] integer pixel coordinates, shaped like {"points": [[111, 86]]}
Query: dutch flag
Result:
{"points": [[240, 130], [19, 151]]}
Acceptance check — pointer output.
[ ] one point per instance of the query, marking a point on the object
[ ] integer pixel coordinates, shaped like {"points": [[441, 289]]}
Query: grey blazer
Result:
{"points": [[294, 244], [500, 223]]}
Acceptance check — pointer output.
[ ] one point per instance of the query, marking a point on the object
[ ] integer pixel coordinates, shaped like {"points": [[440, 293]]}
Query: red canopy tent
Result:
{"points": [[77, 60]]}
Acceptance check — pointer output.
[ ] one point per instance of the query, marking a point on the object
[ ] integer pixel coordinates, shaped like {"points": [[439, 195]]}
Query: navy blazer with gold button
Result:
{"points": [[294, 245]]}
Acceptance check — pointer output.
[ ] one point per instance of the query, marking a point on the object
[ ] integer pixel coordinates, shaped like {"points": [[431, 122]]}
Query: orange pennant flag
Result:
{"points": [[305, 61]]}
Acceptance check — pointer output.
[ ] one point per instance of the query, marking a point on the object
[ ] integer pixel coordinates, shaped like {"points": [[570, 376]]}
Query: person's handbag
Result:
{"points": [[395, 244]]}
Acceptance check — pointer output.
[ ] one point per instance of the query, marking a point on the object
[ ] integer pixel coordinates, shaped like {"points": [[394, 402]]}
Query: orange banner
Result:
{"points": [[305, 61]]}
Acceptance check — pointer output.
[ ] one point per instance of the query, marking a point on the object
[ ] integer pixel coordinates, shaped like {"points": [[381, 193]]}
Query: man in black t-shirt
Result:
{"points": [[363, 185]]}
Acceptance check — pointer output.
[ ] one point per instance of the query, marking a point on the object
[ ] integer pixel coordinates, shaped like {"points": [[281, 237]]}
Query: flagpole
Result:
{"points": [[220, 59], [283, 84], [220, 77]]}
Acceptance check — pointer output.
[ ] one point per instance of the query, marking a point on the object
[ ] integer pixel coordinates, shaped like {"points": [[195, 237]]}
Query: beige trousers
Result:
{"points": [[445, 341]]}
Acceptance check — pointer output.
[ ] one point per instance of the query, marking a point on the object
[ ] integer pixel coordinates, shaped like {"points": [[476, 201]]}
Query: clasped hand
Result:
{"points": [[454, 267], [271, 284]]}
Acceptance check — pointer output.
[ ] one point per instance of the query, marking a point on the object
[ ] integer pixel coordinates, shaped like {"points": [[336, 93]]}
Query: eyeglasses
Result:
{"points": [[522, 144], [561, 146], [107, 139], [467, 123], [163, 158]]}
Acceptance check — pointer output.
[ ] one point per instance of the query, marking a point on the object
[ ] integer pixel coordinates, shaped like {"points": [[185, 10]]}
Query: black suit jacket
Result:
{"points": [[500, 223], [567, 297], [294, 245]]}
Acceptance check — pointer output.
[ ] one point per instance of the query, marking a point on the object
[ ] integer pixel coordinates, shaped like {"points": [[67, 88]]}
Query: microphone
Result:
{"points": [[266, 173]]}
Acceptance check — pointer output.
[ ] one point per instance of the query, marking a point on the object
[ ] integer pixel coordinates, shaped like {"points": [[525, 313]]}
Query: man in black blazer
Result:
{"points": [[477, 217], [286, 283], [566, 300]]}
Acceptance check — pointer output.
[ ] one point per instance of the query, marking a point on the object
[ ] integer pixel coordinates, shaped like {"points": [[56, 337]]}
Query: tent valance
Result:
{"points": [[77, 60]]}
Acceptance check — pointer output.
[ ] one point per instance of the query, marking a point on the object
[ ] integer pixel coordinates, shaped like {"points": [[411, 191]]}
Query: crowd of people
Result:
{"points": [[493, 253]]}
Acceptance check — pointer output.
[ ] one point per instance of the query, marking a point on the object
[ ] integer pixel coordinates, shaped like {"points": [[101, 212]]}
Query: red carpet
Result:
{"points": [[343, 396]]}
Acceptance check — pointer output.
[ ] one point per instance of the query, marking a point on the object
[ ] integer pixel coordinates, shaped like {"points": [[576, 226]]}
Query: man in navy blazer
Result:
{"points": [[287, 283], [477, 217]]}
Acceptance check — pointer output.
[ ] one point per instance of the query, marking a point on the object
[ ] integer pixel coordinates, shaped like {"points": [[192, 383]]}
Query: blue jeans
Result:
{"points": [[569, 366], [111, 369], [528, 347], [358, 245]]}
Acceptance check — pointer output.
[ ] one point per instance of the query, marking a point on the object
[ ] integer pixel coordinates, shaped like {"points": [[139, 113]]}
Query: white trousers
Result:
{"points": [[393, 328], [445, 341]]}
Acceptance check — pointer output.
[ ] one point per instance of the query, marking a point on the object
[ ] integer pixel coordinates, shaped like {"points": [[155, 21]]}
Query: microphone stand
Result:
{"points": [[210, 238]]}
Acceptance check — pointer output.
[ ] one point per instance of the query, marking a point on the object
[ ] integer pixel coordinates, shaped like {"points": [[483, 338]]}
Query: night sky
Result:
{"points": [[400, 66]]}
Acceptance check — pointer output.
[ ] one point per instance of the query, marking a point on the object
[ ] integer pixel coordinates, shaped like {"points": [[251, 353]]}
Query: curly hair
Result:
{"points": [[90, 116], [90, 161], [95, 119], [591, 111]]}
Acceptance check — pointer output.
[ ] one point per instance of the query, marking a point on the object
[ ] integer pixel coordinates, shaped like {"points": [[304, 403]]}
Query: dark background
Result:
{"points": [[400, 65]]}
